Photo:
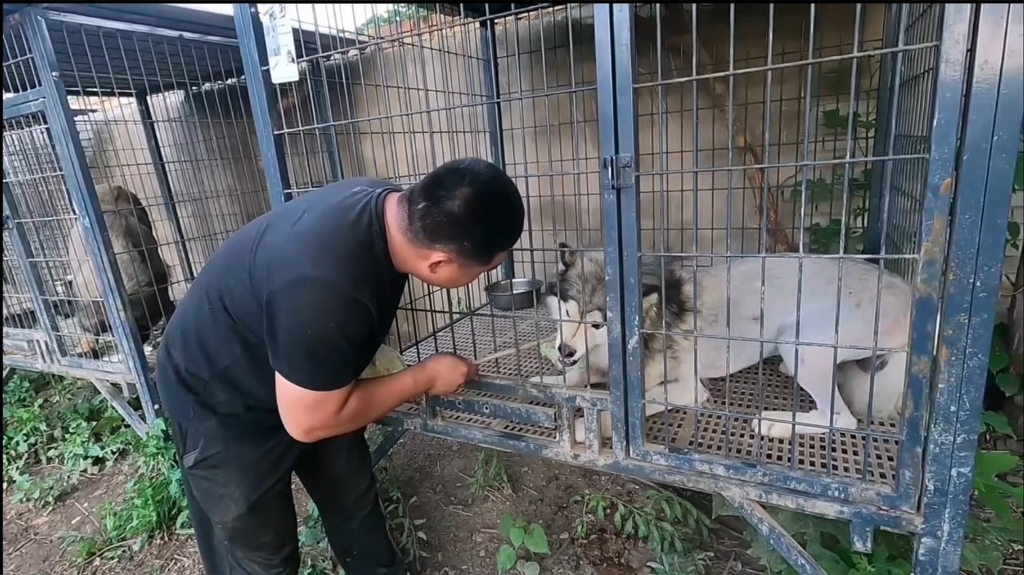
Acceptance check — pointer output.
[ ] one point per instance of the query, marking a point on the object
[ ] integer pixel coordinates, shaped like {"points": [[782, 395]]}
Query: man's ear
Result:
{"points": [[566, 255], [651, 293], [437, 259]]}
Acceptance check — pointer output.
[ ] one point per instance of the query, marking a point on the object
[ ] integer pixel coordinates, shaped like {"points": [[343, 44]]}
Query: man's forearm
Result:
{"points": [[372, 399]]}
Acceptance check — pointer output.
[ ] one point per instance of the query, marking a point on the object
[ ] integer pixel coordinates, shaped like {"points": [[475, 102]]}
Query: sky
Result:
{"points": [[327, 17]]}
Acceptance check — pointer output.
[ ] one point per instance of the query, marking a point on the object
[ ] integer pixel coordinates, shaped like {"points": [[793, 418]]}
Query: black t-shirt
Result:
{"points": [[307, 290]]}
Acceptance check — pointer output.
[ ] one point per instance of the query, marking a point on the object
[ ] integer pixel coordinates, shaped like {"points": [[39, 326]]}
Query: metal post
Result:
{"points": [[163, 182], [890, 33], [935, 206], [988, 153], [627, 193], [83, 197], [495, 129], [263, 99], [323, 117]]}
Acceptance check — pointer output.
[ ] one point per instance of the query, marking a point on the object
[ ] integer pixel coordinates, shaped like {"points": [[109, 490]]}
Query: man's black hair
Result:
{"points": [[468, 207]]}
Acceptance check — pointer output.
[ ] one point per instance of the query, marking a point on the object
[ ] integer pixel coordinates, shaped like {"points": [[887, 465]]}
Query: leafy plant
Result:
{"points": [[663, 520], [406, 529], [1000, 527], [153, 503], [856, 183], [316, 552], [693, 562], [489, 474], [56, 430], [828, 542], [526, 540]]}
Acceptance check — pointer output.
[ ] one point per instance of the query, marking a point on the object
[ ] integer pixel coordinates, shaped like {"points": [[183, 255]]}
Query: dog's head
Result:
{"points": [[578, 300]]}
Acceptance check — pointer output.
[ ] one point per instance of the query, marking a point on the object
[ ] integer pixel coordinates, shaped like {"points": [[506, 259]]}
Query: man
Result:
{"points": [[257, 368]]}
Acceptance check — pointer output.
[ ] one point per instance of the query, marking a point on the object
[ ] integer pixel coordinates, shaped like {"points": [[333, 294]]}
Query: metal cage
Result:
{"points": [[146, 97], [643, 132]]}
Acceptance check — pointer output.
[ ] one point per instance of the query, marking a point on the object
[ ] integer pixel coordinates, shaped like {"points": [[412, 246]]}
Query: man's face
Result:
{"points": [[444, 271]]}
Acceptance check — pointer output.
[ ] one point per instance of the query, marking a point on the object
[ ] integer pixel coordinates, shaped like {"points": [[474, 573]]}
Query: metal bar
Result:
{"points": [[72, 371], [609, 36], [24, 103], [627, 256], [263, 100], [777, 537], [873, 237], [323, 118], [990, 143], [892, 520], [805, 482], [163, 182], [131, 27], [524, 390], [83, 197], [946, 116], [387, 443], [495, 126], [121, 406], [23, 251], [513, 411]]}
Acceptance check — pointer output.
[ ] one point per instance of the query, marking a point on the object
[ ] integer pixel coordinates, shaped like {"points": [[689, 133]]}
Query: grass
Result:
{"points": [[58, 431]]}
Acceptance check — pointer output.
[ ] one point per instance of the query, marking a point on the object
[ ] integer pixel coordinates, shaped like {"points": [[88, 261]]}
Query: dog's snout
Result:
{"points": [[566, 350]]}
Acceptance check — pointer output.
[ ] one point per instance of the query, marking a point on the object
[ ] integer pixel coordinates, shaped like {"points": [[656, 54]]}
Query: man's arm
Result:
{"points": [[314, 333], [310, 416]]}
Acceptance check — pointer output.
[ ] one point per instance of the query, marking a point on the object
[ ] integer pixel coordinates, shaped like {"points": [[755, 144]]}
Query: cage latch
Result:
{"points": [[618, 171]]}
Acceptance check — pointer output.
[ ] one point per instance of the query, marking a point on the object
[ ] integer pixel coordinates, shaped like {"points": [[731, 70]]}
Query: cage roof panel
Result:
{"points": [[135, 48]]}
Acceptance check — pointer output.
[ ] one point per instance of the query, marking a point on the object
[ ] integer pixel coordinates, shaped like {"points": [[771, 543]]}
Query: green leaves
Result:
{"points": [[537, 540], [1000, 497], [506, 558], [521, 535], [663, 520]]}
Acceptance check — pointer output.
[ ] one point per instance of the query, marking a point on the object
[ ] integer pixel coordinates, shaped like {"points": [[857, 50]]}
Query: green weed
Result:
{"points": [[662, 520], [55, 431], [525, 541], [489, 474]]}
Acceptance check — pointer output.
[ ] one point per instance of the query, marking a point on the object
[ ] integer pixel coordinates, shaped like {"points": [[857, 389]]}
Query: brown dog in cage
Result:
{"points": [[137, 255], [723, 304]]}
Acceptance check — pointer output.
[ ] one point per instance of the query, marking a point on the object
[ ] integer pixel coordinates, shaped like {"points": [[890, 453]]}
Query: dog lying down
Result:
{"points": [[672, 304]]}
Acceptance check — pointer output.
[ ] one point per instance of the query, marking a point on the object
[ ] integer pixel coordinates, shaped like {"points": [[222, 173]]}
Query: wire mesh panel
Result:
{"points": [[394, 94], [154, 126], [762, 168]]}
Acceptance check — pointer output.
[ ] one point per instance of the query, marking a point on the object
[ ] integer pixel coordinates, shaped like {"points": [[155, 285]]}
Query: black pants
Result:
{"points": [[240, 499]]}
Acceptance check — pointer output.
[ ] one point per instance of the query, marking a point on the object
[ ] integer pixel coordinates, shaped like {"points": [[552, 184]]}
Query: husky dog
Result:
{"points": [[679, 301], [142, 270]]}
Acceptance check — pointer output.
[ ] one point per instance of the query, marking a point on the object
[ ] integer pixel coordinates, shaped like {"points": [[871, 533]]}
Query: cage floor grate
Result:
{"points": [[720, 428]]}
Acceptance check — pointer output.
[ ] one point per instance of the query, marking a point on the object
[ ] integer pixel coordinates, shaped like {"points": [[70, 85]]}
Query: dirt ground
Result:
{"points": [[460, 529]]}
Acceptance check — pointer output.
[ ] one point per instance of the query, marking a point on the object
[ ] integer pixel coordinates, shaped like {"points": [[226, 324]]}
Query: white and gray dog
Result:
{"points": [[679, 303]]}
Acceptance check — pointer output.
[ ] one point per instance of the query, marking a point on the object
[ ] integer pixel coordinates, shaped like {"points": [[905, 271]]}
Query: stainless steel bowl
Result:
{"points": [[514, 294]]}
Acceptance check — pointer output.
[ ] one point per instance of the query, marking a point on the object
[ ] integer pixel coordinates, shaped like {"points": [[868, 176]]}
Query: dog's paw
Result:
{"points": [[785, 423], [777, 429]]}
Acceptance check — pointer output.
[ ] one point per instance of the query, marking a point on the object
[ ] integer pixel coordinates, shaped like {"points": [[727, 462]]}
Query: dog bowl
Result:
{"points": [[514, 294]]}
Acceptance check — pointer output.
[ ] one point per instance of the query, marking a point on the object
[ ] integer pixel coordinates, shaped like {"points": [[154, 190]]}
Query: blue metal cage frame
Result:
{"points": [[976, 103]]}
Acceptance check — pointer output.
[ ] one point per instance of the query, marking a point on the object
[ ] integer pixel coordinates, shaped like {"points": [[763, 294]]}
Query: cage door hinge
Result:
{"points": [[618, 171]]}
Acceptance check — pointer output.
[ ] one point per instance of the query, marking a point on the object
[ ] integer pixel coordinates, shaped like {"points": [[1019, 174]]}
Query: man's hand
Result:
{"points": [[445, 373]]}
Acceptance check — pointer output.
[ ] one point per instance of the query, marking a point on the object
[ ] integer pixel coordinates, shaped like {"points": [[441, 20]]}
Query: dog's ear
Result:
{"points": [[651, 293], [566, 255]]}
